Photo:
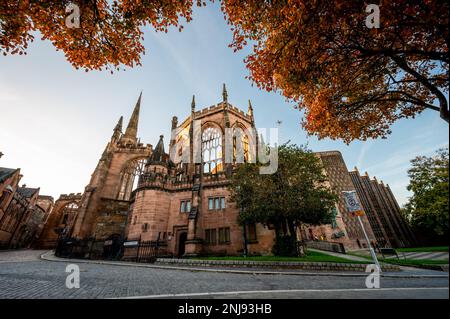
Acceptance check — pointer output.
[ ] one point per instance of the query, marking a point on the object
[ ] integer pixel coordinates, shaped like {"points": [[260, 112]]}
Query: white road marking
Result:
{"points": [[199, 294]]}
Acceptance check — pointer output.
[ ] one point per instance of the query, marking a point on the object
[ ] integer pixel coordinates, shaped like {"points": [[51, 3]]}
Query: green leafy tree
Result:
{"points": [[428, 208], [295, 194]]}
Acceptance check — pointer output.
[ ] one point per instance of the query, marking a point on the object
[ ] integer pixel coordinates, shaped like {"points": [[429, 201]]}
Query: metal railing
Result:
{"points": [[112, 249]]}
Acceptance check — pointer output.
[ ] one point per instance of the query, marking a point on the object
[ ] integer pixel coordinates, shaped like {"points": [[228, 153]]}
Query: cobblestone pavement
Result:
{"points": [[20, 255], [24, 275]]}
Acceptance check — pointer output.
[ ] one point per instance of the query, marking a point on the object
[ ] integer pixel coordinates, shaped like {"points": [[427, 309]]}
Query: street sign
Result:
{"points": [[352, 203], [353, 206]]}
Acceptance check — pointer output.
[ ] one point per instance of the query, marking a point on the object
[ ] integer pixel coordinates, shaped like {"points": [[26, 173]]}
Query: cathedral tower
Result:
{"points": [[106, 200]]}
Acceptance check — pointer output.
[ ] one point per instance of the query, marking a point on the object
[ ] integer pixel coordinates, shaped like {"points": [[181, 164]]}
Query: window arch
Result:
{"points": [[68, 213], [241, 153], [212, 150], [128, 180]]}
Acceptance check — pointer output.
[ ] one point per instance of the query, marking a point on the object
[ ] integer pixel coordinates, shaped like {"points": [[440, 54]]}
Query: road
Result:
{"points": [[24, 275]]}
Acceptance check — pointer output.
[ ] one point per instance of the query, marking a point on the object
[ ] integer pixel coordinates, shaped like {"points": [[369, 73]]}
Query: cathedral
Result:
{"points": [[140, 192]]}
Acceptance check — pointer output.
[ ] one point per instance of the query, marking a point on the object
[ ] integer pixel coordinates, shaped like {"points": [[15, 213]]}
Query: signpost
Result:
{"points": [[353, 206]]}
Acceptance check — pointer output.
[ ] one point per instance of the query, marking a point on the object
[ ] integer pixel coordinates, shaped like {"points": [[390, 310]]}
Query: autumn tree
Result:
{"points": [[351, 81], [428, 208], [109, 35], [295, 194]]}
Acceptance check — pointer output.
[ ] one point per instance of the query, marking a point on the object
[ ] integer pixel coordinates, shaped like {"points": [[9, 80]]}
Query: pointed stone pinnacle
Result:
{"points": [[225, 93], [131, 131], [119, 125], [118, 129], [193, 103]]}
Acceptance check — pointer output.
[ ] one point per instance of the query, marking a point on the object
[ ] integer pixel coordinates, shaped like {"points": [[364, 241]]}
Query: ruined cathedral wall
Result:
{"points": [[178, 221], [120, 160], [150, 215]]}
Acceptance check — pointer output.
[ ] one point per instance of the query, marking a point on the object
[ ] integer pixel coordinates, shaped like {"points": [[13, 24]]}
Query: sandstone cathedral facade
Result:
{"points": [[138, 192]]}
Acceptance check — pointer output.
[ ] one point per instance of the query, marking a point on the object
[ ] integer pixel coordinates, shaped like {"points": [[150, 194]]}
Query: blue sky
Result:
{"points": [[55, 120]]}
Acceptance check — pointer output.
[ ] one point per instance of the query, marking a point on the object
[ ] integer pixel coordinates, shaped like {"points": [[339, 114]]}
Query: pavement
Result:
{"points": [[344, 256], [23, 274], [408, 255], [423, 255]]}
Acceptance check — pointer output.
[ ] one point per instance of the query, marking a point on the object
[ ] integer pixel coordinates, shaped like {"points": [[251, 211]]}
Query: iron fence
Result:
{"points": [[112, 249]]}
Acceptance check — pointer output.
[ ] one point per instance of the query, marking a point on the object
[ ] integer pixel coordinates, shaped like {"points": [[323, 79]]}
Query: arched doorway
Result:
{"points": [[181, 244]]}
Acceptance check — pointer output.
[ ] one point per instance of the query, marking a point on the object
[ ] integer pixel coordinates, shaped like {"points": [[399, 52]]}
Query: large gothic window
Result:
{"points": [[129, 178], [212, 150]]}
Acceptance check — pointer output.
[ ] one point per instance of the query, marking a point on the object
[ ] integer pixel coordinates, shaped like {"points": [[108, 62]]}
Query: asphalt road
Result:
{"points": [[24, 275]]}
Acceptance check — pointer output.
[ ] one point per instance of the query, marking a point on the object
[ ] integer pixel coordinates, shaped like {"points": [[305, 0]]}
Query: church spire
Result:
{"points": [[131, 131]]}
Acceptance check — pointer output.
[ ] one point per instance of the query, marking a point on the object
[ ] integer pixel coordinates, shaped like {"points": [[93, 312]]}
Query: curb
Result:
{"points": [[278, 265], [49, 256]]}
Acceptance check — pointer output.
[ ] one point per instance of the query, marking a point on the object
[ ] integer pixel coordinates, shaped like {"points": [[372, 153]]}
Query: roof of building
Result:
{"points": [[27, 192], [5, 173]]}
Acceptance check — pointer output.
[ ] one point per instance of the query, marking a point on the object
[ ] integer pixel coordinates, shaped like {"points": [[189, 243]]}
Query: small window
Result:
{"points": [[144, 227], [211, 203], [188, 206], [217, 203], [185, 206], [224, 235], [251, 232], [210, 236]]}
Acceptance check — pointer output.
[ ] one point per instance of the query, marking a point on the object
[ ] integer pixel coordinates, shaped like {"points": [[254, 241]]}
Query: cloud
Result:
{"points": [[7, 94], [362, 153]]}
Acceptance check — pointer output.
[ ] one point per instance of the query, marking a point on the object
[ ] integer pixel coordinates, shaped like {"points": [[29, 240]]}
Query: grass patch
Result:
{"points": [[312, 256], [424, 249]]}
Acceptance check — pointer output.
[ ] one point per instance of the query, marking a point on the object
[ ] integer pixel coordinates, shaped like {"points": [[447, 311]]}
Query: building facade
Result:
{"points": [[9, 182], [23, 212], [179, 198], [383, 211], [22, 220], [345, 227]]}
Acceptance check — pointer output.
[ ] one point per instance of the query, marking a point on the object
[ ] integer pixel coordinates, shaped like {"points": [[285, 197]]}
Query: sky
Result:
{"points": [[55, 120]]}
